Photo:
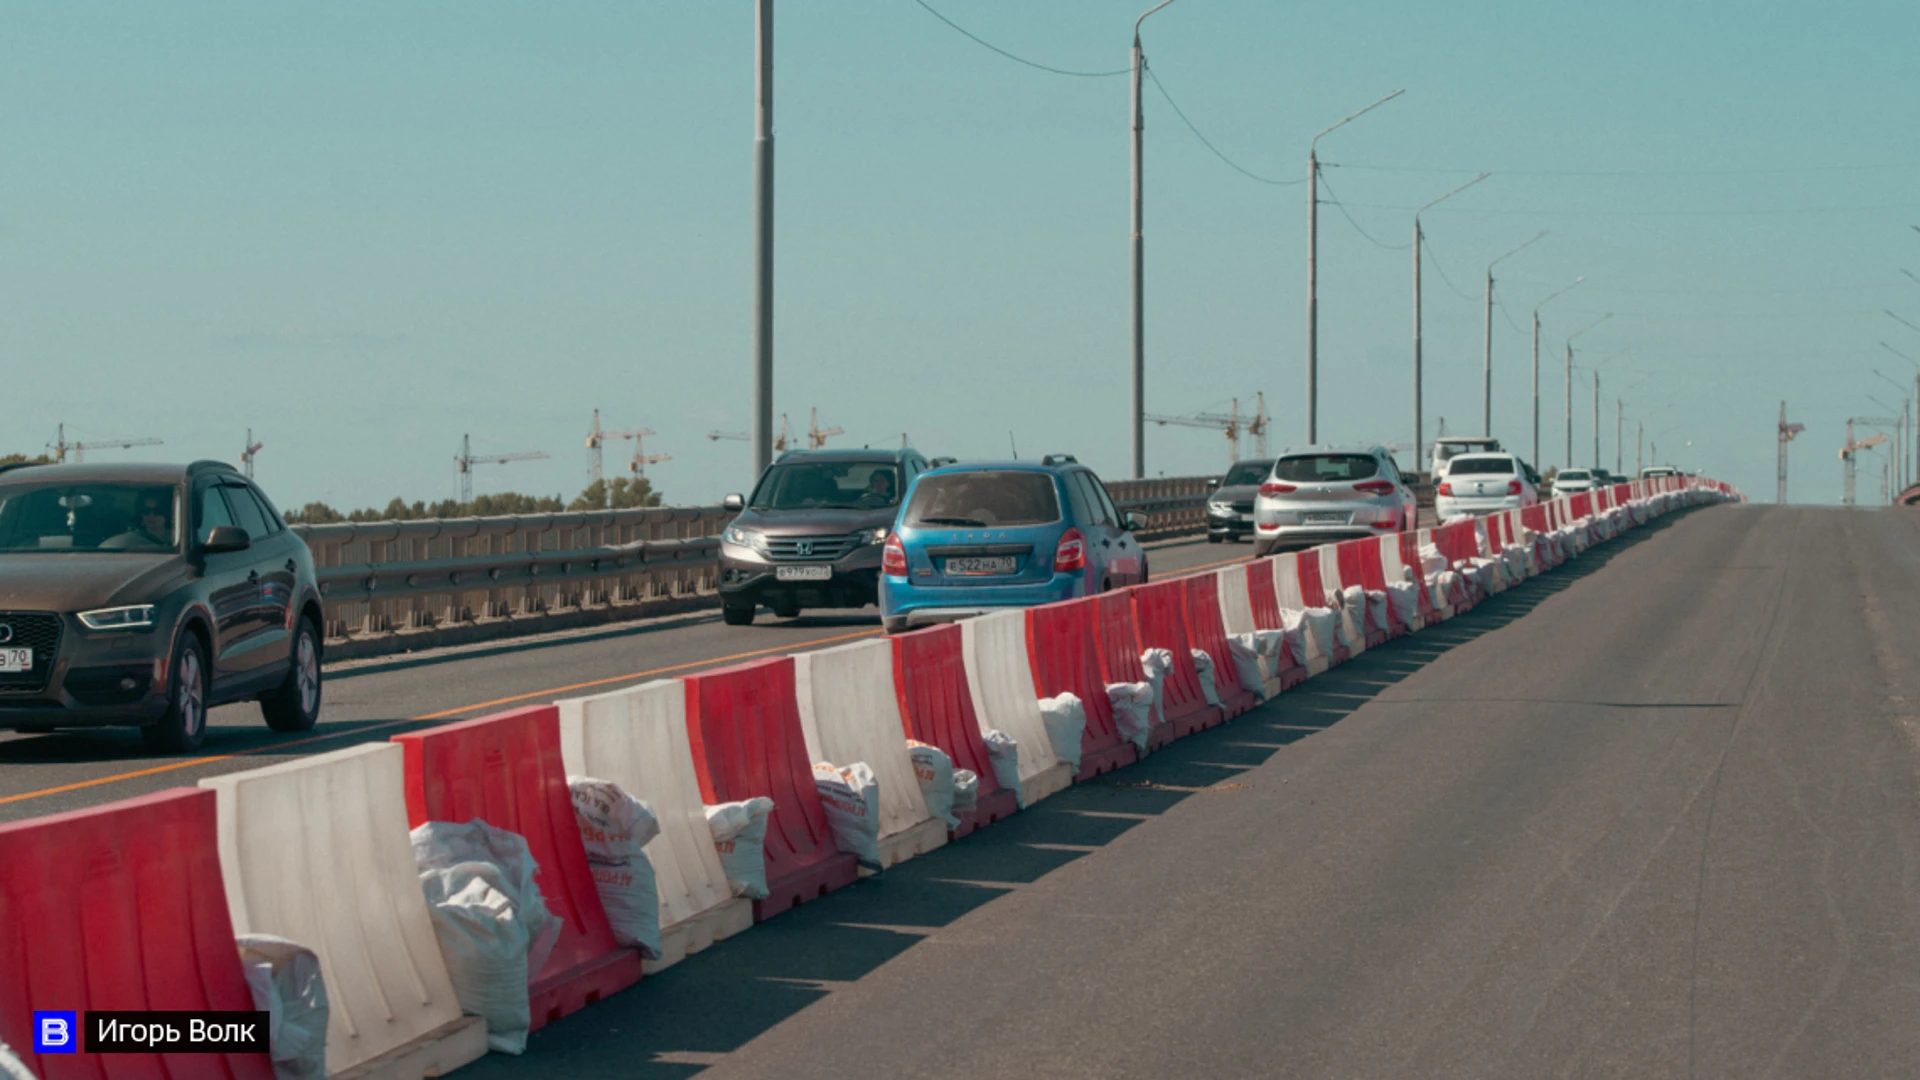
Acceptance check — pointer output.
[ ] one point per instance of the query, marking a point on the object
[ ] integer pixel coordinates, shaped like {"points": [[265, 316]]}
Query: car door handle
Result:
{"points": [[253, 577], [292, 567]]}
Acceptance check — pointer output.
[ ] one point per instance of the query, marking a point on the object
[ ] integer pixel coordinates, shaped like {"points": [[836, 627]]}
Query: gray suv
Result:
{"points": [[1325, 494], [811, 533]]}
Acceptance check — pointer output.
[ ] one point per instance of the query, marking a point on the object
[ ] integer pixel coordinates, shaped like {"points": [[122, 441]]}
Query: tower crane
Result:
{"points": [[596, 438], [816, 436], [781, 442], [1787, 432], [247, 455], [642, 459], [60, 446], [1230, 423], [465, 461], [1851, 450]]}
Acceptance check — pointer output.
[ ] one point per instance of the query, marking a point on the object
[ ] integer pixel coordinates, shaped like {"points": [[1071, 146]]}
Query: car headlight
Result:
{"points": [[879, 535], [747, 538], [136, 617], [1219, 508]]}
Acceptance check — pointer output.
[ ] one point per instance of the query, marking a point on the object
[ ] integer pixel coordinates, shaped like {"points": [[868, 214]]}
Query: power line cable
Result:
{"points": [[1637, 172], [1427, 246], [1502, 305], [1208, 143], [977, 40], [1335, 201], [1903, 207]]}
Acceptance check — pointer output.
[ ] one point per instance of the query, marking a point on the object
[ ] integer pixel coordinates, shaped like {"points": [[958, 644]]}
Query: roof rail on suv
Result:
{"points": [[1059, 459], [209, 465]]}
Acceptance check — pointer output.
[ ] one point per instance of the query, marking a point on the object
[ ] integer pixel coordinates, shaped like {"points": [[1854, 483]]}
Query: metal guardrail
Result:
{"points": [[403, 580]]}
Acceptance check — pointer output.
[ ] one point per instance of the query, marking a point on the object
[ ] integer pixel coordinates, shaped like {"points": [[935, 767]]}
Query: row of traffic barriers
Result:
{"points": [[135, 905]]}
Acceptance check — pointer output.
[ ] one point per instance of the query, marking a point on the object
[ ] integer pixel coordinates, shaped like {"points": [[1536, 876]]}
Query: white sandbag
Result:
{"points": [[1133, 710], [966, 792], [1156, 663], [1353, 618], [1004, 754], [491, 922], [1252, 669], [1431, 561], [934, 769], [1066, 723], [740, 837], [1203, 666], [1404, 598], [1377, 608], [851, 797], [615, 828], [285, 981]]}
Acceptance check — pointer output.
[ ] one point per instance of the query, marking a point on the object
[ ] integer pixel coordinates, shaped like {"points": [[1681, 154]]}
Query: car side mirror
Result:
{"points": [[1135, 520], [1213, 483], [225, 538], [735, 503]]}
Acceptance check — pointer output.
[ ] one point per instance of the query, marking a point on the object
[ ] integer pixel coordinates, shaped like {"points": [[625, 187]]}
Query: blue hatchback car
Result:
{"points": [[976, 537]]}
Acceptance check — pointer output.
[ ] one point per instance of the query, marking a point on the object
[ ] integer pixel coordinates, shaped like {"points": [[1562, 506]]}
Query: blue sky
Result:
{"points": [[364, 229]]}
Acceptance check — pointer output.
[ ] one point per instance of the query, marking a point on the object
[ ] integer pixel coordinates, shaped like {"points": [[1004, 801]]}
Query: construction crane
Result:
{"points": [[596, 438], [1231, 423], [1787, 432], [780, 444], [466, 460], [816, 437], [1850, 451], [247, 455], [642, 459], [60, 446]]}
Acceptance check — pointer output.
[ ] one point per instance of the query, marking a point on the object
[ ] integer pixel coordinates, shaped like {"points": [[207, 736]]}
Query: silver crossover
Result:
{"points": [[1317, 494]]}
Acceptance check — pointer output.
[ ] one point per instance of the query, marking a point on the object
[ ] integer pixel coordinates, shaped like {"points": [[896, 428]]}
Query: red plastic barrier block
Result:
{"points": [[1208, 633], [1582, 506], [1118, 643], [744, 726], [119, 907], [1063, 648], [1350, 560], [1410, 558], [936, 708], [1160, 616], [1373, 574], [1312, 587], [505, 769]]}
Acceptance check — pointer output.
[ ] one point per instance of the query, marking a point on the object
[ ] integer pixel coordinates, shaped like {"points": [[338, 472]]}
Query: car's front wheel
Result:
{"points": [[295, 704], [737, 614], [184, 724]]}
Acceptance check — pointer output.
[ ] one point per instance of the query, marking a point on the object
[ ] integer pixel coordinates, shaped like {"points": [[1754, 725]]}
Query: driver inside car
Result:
{"points": [[153, 525]]}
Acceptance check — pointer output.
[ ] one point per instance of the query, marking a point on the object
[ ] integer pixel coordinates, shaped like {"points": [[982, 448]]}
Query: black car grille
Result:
{"points": [[812, 548], [36, 630], [1243, 506]]}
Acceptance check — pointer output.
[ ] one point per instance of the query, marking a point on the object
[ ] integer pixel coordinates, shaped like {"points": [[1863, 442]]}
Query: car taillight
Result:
{"points": [[1072, 552], [1375, 487], [893, 557], [1275, 488], [1446, 489], [1513, 487]]}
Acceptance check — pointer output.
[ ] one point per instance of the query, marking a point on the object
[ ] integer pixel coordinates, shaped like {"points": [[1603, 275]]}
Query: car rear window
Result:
{"points": [[828, 485], [983, 500], [1247, 474], [1575, 474], [1325, 468], [1488, 465]]}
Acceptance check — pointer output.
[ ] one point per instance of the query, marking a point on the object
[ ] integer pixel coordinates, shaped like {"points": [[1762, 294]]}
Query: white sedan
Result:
{"points": [[1483, 484]]}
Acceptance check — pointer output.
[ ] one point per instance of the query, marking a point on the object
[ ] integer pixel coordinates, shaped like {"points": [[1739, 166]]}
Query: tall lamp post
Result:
{"points": [[1576, 333], [1419, 431], [1916, 393], [1139, 418], [762, 234], [1486, 375], [1313, 250], [1596, 408], [1536, 367], [1903, 431]]}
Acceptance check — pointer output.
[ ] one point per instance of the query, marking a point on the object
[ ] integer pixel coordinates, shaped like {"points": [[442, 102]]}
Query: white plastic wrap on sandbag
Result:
{"points": [[1203, 667], [1065, 718], [934, 769], [740, 839], [1004, 754], [966, 792], [1353, 618], [1431, 561], [1252, 669], [615, 828], [1404, 598], [1156, 663], [491, 922], [1313, 632], [1132, 704], [285, 982], [1447, 584], [1377, 608], [851, 797]]}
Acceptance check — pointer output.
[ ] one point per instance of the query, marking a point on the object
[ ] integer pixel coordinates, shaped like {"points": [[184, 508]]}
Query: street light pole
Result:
{"points": [[1486, 372], [1536, 368], [762, 235], [1916, 390], [1313, 250], [1577, 333], [1139, 418], [1419, 430], [1616, 436]]}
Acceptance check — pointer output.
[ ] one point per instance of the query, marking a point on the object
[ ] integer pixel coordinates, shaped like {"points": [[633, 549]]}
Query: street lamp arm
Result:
{"points": [[1448, 195], [1537, 236], [1143, 18], [1588, 327], [1901, 355], [1900, 320], [1555, 296], [1316, 139]]}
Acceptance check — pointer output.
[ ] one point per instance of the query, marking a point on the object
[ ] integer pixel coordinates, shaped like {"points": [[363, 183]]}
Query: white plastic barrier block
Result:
{"points": [[1321, 626], [850, 712], [637, 738], [1000, 678], [315, 850], [1236, 604]]}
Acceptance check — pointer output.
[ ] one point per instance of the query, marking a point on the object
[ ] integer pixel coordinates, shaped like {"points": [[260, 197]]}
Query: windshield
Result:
{"points": [[983, 500], [1325, 468], [829, 485], [1575, 474], [1247, 474], [1488, 465], [89, 517]]}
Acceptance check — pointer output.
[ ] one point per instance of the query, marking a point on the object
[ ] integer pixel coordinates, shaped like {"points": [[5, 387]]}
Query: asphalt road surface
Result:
{"points": [[42, 774], [1652, 815]]}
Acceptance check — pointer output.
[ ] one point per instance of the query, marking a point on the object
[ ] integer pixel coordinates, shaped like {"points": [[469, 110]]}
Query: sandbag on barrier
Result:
{"points": [[1063, 649], [743, 728], [1304, 605], [1207, 632], [506, 770], [1401, 610], [637, 738], [850, 712], [114, 907], [937, 708], [1000, 679], [1160, 620], [1122, 667], [338, 822], [1406, 550], [1349, 563], [1352, 615], [1264, 599]]}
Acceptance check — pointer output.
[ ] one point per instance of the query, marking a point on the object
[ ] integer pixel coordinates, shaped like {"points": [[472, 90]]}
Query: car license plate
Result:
{"points": [[802, 573], [994, 564], [1324, 518], [15, 661]]}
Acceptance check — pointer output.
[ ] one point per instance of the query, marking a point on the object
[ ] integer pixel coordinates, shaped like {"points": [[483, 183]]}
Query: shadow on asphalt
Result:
{"points": [[679, 1021]]}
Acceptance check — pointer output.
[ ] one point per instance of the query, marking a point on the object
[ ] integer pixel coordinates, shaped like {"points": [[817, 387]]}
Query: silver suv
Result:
{"points": [[1318, 494]]}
